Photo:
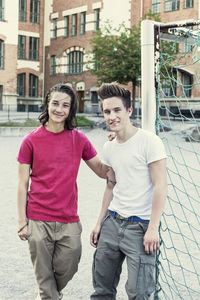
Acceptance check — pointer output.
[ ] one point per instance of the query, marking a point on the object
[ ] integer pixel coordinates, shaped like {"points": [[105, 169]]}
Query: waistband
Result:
{"points": [[115, 215]]}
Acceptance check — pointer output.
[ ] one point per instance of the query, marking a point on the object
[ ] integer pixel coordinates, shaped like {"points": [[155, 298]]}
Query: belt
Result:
{"points": [[130, 219]]}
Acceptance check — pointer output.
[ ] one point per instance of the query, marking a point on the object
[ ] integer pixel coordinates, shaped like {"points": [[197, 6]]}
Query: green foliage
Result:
{"points": [[82, 121], [116, 53]]}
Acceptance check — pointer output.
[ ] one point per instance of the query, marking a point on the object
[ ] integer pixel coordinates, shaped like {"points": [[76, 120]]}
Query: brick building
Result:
{"points": [[43, 42], [21, 53]]}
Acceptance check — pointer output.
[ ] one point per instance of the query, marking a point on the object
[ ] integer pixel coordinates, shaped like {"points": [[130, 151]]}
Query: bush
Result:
{"points": [[82, 122]]}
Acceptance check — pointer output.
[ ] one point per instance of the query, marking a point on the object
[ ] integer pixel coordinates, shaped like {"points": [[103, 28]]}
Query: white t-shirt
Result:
{"points": [[132, 194]]}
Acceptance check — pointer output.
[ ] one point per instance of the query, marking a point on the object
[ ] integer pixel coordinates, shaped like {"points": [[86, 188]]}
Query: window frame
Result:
{"points": [[2, 50], [74, 24], [21, 47], [75, 62], [53, 65], [35, 11], [33, 48], [191, 3], [33, 91], [21, 84], [83, 23], [54, 31], [22, 10], [2, 10], [66, 28], [155, 6], [96, 19], [175, 3]]}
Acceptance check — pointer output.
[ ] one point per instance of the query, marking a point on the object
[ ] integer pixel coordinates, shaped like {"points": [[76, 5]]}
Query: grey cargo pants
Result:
{"points": [[119, 240]]}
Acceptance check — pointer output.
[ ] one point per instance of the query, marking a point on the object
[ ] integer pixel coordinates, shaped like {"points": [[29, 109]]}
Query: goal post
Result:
{"points": [[170, 85]]}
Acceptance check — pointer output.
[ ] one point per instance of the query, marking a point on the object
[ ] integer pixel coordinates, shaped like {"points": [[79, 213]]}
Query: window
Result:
{"points": [[171, 5], [169, 88], [155, 6], [82, 29], [21, 84], [74, 24], [96, 19], [53, 65], [54, 33], [75, 62], [34, 48], [188, 3], [187, 85], [1, 54], [22, 47], [22, 10], [35, 11], [1, 10], [66, 28], [33, 85]]}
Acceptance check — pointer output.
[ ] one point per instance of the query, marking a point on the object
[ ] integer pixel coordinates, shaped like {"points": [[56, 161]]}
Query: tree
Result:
{"points": [[116, 54]]}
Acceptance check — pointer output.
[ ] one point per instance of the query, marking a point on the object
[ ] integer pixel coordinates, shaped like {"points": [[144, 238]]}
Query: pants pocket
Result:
{"points": [[146, 275]]}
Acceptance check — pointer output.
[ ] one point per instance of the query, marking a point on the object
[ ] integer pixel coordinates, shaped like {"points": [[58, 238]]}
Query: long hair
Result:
{"points": [[109, 90], [71, 121]]}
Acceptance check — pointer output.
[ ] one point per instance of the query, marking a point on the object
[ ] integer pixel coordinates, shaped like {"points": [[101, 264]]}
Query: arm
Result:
{"points": [[97, 166], [107, 198], [159, 179], [23, 182]]}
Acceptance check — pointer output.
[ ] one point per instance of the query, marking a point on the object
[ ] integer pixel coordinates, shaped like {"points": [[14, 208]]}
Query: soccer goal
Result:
{"points": [[171, 108]]}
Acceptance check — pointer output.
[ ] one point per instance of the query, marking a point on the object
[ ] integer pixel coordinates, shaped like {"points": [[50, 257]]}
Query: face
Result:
{"points": [[59, 107], [116, 115]]}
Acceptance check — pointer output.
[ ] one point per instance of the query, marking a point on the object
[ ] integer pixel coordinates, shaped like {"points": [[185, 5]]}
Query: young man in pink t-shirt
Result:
{"points": [[49, 159]]}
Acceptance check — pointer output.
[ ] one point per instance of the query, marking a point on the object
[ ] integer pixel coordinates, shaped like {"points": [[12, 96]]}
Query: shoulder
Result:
{"points": [[149, 136]]}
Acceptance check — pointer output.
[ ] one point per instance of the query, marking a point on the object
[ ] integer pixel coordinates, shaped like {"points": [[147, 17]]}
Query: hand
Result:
{"points": [[151, 240], [94, 236], [23, 232], [111, 136]]}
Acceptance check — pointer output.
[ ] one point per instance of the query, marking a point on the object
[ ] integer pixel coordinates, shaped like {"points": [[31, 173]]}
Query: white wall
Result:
{"points": [[116, 11], [9, 28]]}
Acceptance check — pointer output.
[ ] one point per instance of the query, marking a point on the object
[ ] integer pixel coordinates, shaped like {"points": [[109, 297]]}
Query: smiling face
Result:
{"points": [[59, 107], [117, 117]]}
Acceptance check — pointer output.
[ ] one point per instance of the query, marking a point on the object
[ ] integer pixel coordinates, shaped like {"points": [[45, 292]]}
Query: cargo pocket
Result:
{"points": [[146, 275]]}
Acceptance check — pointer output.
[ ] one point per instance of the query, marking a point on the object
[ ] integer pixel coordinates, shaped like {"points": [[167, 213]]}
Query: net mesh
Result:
{"points": [[178, 124]]}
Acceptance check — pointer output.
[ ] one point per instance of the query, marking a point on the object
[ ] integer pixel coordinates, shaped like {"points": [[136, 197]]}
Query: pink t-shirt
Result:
{"points": [[54, 160]]}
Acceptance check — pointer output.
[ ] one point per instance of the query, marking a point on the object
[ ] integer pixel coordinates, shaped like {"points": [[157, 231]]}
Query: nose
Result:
{"points": [[112, 115], [59, 108]]}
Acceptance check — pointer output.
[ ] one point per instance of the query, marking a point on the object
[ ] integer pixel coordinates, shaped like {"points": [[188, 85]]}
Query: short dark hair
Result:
{"points": [[109, 90], [71, 121]]}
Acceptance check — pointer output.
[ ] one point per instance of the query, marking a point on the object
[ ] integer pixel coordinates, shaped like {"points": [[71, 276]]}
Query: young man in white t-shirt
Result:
{"points": [[133, 202]]}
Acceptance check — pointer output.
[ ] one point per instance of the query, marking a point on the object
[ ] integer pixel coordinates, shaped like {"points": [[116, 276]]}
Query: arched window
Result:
{"points": [[75, 62], [33, 85], [1, 54]]}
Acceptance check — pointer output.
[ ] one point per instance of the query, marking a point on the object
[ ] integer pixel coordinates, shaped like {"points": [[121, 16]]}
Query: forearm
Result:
{"points": [[21, 204], [107, 198], [158, 204]]}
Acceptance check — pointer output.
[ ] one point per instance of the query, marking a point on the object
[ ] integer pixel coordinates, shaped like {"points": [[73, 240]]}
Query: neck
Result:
{"points": [[125, 134], [56, 128]]}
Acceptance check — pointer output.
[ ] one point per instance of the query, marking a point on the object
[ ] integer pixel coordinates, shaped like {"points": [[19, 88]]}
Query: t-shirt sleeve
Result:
{"points": [[88, 150], [25, 155], [105, 159], [155, 149]]}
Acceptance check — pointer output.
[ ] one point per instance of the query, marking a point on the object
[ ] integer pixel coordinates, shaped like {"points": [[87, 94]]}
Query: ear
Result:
{"points": [[130, 110]]}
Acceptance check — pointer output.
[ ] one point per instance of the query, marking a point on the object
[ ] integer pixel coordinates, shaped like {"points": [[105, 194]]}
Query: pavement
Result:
{"points": [[17, 281]]}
